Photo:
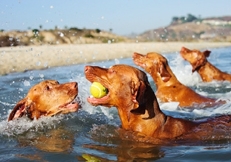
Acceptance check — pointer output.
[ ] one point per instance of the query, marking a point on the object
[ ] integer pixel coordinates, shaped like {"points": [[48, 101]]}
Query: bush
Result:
{"points": [[97, 30], [35, 31], [88, 35]]}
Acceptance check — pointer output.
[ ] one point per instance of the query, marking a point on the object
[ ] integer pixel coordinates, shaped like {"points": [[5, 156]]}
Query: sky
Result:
{"points": [[122, 17]]}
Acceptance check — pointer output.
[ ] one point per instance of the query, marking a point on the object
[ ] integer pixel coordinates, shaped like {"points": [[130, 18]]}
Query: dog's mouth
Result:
{"points": [[71, 106], [99, 101], [91, 74]]}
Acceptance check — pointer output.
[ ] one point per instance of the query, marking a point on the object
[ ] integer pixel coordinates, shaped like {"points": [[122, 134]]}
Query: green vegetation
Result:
{"points": [[97, 30], [75, 29], [36, 32], [184, 19], [89, 35], [36, 35]]}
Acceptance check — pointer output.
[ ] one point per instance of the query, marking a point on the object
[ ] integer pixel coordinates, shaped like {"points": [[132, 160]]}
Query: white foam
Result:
{"points": [[183, 71], [172, 109], [24, 124]]}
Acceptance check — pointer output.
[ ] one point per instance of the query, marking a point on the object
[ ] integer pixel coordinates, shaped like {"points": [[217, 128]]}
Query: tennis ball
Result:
{"points": [[97, 90]]}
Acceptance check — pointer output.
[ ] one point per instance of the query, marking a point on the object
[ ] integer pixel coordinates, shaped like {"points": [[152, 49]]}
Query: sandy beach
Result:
{"points": [[22, 58]]}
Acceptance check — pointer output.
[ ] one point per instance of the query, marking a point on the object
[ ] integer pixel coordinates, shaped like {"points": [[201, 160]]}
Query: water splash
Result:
{"points": [[22, 125], [183, 72]]}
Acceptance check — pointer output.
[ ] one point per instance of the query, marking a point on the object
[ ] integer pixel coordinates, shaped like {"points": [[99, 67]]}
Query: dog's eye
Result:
{"points": [[47, 88], [111, 71]]}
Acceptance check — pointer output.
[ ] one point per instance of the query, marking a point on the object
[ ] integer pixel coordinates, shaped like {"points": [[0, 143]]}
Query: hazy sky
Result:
{"points": [[122, 16]]}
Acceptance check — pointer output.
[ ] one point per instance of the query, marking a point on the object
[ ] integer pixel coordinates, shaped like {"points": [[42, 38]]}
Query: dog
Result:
{"points": [[206, 70], [47, 98], [169, 88], [130, 92]]}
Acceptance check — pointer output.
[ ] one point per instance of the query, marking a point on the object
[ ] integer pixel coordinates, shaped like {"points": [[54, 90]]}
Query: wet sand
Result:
{"points": [[19, 59]]}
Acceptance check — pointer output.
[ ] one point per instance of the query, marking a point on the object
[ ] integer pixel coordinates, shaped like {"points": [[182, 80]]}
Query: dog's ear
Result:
{"points": [[138, 91], [206, 53], [19, 110], [164, 74], [23, 107], [196, 65], [139, 98], [141, 91], [200, 61], [142, 97]]}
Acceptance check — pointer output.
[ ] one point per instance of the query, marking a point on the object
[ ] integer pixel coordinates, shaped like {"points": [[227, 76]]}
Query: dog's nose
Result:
{"points": [[87, 68], [73, 84], [183, 49]]}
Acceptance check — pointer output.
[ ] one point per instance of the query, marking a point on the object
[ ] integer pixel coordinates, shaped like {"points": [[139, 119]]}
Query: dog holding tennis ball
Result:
{"points": [[97, 90]]}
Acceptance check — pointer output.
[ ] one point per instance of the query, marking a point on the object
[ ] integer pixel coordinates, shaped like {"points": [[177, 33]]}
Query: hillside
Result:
{"points": [[54, 37], [189, 28], [209, 29]]}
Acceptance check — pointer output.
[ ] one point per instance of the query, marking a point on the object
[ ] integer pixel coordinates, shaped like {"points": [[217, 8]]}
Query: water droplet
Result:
{"points": [[61, 34], [117, 61], [26, 83], [45, 64], [20, 89], [41, 75]]}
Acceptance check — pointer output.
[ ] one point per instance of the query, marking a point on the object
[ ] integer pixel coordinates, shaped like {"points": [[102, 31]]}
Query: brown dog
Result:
{"points": [[47, 99], [199, 62], [129, 91], [169, 89]]}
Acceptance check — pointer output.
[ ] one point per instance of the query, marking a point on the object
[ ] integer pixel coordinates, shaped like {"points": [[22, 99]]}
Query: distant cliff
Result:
{"points": [[190, 28]]}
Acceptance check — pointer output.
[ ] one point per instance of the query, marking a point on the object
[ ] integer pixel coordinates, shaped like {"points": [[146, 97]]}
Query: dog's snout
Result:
{"points": [[135, 54], [73, 85], [87, 68], [183, 49]]}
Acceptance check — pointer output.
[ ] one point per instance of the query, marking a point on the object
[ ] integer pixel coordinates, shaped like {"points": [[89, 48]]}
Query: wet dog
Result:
{"points": [[47, 98], [169, 88], [206, 70], [130, 92]]}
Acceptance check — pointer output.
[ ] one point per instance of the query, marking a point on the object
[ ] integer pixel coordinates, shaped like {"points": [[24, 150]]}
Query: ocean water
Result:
{"points": [[92, 132]]}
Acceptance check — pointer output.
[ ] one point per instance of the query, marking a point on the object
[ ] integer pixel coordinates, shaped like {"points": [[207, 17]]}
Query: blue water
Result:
{"points": [[93, 130]]}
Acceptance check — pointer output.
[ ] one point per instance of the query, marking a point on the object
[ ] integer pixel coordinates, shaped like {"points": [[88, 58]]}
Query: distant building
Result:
{"points": [[208, 35], [218, 21]]}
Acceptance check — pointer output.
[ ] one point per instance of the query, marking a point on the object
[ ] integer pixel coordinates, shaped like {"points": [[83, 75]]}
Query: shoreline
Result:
{"points": [[22, 58]]}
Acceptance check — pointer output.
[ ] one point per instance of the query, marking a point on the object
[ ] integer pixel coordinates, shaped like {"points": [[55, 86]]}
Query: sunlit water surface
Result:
{"points": [[92, 132]]}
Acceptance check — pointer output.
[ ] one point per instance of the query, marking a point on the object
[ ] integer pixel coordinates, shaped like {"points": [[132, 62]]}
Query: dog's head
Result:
{"points": [[47, 98], [127, 86], [154, 63], [195, 57]]}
